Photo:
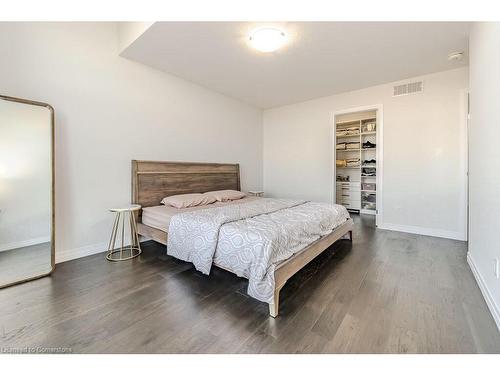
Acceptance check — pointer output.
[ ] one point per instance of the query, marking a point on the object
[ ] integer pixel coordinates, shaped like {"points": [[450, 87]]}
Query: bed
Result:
{"points": [[154, 180]]}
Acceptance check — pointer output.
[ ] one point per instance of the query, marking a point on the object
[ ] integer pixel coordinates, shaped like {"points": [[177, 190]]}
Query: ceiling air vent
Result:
{"points": [[408, 88]]}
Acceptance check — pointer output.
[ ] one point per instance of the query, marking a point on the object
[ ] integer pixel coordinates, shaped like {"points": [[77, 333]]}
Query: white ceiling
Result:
{"points": [[321, 58]]}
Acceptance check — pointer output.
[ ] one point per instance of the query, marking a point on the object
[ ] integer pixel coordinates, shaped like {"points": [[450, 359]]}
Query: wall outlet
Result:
{"points": [[497, 268]]}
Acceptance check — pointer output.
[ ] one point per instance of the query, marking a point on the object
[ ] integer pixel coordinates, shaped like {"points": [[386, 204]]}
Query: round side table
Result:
{"points": [[256, 193], [127, 217]]}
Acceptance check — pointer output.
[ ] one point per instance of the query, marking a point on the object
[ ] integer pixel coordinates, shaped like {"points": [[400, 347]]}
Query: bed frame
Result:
{"points": [[154, 180]]}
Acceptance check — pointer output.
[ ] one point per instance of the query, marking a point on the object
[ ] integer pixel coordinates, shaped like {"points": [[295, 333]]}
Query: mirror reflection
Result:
{"points": [[25, 191]]}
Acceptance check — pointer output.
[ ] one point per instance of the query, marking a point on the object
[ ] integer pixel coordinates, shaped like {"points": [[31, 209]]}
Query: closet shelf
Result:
{"points": [[369, 191], [348, 167], [348, 136], [369, 133], [364, 119], [352, 123], [357, 149]]}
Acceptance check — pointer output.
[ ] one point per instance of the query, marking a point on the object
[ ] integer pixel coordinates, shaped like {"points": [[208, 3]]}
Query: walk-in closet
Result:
{"points": [[356, 161]]}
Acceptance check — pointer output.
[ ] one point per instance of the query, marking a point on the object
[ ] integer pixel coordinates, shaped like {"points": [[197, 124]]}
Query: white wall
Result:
{"points": [[484, 157], [424, 182], [25, 175], [128, 32], [110, 110]]}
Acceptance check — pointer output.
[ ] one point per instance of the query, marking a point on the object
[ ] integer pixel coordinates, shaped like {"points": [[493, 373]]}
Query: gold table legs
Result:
{"points": [[124, 252]]}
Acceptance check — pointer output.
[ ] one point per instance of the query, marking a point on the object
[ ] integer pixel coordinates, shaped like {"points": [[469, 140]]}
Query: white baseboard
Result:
{"points": [[30, 242], [494, 309], [80, 252], [424, 231]]}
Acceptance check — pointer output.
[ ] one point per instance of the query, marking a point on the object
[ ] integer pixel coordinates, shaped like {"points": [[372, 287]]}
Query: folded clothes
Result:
{"points": [[347, 146], [343, 178], [352, 145], [368, 172], [348, 163], [369, 198], [368, 144], [354, 130], [340, 146], [368, 186], [353, 162]]}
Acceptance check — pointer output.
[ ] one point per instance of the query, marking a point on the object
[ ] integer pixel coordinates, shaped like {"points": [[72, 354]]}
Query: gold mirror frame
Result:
{"points": [[52, 194]]}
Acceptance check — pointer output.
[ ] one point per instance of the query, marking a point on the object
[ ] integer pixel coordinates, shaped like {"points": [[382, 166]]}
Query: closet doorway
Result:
{"points": [[357, 160]]}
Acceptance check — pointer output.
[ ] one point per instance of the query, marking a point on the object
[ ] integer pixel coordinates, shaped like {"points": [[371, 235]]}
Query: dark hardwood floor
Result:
{"points": [[387, 292]]}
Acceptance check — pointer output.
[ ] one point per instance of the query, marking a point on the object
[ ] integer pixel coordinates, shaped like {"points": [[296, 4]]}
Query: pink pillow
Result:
{"points": [[225, 195], [188, 200]]}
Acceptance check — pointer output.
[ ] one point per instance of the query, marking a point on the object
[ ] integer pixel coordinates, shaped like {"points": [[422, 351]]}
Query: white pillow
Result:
{"points": [[188, 200], [225, 195]]}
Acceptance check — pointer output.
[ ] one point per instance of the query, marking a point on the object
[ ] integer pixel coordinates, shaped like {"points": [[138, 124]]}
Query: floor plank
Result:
{"points": [[386, 292]]}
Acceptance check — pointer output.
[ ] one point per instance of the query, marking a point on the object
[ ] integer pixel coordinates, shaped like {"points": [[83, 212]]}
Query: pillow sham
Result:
{"points": [[226, 195], [188, 200]]}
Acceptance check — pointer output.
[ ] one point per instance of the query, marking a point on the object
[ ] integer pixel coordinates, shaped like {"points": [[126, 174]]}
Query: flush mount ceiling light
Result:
{"points": [[267, 39]]}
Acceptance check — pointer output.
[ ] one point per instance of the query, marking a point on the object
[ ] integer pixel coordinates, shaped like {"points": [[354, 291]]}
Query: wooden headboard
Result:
{"points": [[154, 180]]}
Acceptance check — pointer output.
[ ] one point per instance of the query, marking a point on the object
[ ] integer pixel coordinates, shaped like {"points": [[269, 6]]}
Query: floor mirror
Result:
{"points": [[26, 190]]}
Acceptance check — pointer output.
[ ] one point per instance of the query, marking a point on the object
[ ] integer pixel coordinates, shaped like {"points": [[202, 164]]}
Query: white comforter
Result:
{"points": [[250, 239]]}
